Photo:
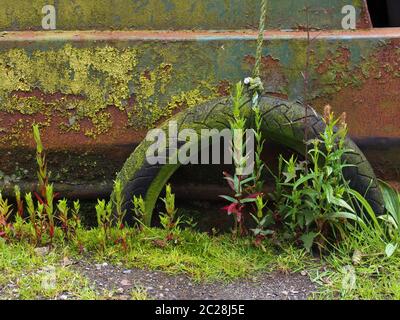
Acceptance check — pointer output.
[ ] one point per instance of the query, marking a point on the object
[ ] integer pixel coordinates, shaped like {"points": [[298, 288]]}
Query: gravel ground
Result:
{"points": [[161, 286]]}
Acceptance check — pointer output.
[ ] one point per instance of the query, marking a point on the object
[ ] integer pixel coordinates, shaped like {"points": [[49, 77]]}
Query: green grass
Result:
{"points": [[375, 276], [31, 275], [139, 293], [203, 258], [198, 255]]}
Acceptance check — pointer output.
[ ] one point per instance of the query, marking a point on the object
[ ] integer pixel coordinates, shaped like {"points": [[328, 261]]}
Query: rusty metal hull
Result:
{"points": [[177, 14], [96, 93]]}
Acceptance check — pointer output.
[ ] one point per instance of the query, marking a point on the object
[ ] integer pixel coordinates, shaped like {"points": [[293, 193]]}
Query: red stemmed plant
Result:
{"points": [[239, 201]]}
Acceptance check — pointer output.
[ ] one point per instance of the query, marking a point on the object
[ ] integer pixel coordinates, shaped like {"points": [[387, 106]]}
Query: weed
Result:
{"points": [[118, 201], [392, 205], [5, 213], [262, 220], [104, 220], [260, 141], [20, 202], [63, 210], [120, 213], [139, 293], [76, 215], [237, 206], [42, 173], [168, 218], [244, 189], [49, 209], [315, 203], [139, 210]]}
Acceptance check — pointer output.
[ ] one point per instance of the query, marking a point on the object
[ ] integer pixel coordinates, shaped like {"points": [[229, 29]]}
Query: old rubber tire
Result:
{"points": [[284, 122]]}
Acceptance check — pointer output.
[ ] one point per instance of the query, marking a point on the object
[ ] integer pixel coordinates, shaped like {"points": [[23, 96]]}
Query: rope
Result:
{"points": [[254, 83], [260, 40]]}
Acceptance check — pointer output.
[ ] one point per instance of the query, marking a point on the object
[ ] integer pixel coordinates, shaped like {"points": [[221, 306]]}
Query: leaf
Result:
{"points": [[255, 98], [233, 208], [329, 192], [67, 262], [267, 232], [236, 182], [392, 200], [289, 176], [389, 220], [302, 180], [368, 208], [230, 199], [346, 215], [390, 249], [229, 179], [308, 240], [246, 180], [341, 203], [256, 231], [247, 200]]}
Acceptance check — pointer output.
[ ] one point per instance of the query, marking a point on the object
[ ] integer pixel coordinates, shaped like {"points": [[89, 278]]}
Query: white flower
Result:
{"points": [[247, 80]]}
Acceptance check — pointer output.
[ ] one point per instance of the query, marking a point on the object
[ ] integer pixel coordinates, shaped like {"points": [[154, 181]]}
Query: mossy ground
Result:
{"points": [[201, 257]]}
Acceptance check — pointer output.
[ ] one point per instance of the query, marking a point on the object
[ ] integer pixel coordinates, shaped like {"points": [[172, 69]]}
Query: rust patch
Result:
{"points": [[365, 21], [271, 74], [341, 56], [224, 88], [54, 140], [45, 97], [373, 106]]}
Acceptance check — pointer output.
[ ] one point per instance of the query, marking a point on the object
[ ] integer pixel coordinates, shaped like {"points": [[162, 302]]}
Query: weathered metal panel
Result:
{"points": [[176, 14], [97, 93]]}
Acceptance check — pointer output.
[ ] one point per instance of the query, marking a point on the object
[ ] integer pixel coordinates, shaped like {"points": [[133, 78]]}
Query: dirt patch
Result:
{"points": [[161, 286]]}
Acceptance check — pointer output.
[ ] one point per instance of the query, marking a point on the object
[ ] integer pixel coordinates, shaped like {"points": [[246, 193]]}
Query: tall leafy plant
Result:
{"points": [[168, 219], [46, 195], [118, 201], [5, 213], [316, 203], [240, 185]]}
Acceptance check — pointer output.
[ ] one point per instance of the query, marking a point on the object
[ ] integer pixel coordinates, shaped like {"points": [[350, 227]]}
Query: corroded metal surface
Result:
{"points": [[176, 14], [112, 87], [96, 93]]}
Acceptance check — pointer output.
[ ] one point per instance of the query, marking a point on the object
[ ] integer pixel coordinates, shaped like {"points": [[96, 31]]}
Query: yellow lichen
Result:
{"points": [[81, 83]]}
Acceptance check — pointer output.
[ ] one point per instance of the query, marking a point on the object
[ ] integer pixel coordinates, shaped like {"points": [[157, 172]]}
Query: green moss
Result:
{"points": [[102, 123], [14, 133], [337, 72], [152, 85], [88, 79]]}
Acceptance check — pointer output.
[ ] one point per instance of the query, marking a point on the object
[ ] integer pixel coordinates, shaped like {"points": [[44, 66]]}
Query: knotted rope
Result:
{"points": [[255, 84], [260, 40]]}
